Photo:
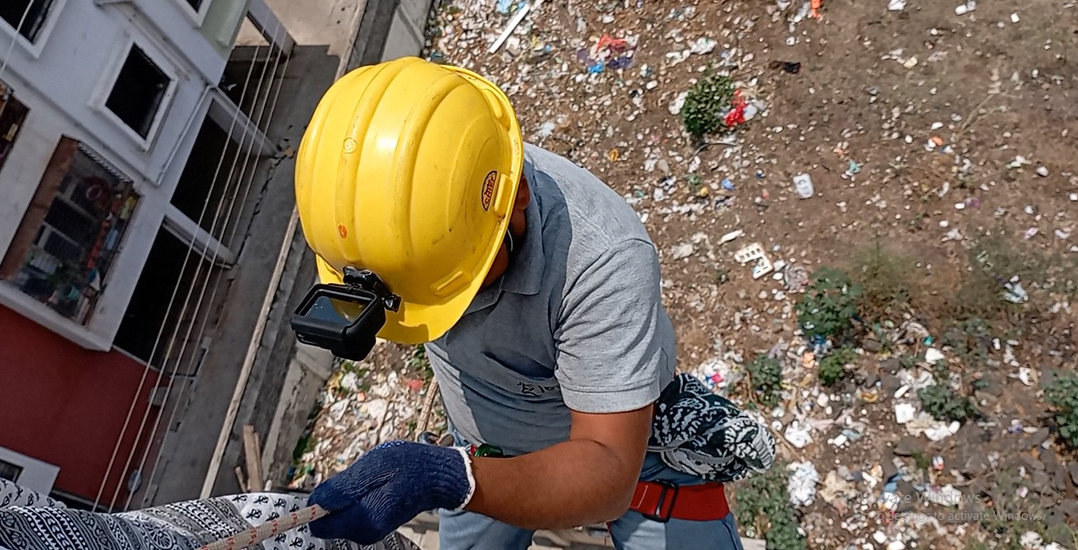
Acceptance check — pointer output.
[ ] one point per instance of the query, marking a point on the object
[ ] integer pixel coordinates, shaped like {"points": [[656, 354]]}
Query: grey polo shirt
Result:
{"points": [[576, 322]]}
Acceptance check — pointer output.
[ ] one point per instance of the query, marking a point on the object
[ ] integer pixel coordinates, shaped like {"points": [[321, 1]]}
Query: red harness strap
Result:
{"points": [[660, 501]]}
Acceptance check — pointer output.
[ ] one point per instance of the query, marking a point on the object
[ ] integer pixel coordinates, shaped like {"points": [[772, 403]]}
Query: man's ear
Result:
{"points": [[524, 195]]}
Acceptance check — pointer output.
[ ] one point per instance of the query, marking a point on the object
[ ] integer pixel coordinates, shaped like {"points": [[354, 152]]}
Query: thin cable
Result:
{"points": [[15, 37], [172, 298], [198, 271], [205, 283]]}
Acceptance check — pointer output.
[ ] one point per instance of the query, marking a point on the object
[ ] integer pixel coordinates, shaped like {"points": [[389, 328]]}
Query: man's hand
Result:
{"points": [[389, 486], [588, 479]]}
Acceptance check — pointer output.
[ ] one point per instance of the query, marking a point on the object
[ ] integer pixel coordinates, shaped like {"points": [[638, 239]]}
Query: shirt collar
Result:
{"points": [[525, 273]]}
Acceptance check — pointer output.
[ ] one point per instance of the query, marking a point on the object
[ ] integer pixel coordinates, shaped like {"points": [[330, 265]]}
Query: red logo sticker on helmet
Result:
{"points": [[489, 184]]}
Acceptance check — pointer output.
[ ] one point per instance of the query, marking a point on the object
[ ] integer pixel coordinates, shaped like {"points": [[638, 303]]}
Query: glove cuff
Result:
{"points": [[452, 480], [471, 478]]}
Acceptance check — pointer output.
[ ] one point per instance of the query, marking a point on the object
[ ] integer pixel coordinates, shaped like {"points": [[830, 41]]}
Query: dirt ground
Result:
{"points": [[906, 120]]}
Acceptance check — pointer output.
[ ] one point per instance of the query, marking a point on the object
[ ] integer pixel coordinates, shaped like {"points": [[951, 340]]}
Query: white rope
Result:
{"points": [[15, 38], [205, 283], [198, 270], [172, 298]]}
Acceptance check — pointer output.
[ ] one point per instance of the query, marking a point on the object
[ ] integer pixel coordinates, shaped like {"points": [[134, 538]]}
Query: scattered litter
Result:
{"points": [[512, 25], [703, 45], [717, 375], [933, 356], [678, 103], [1018, 162], [1015, 18], [1025, 374], [755, 253], [803, 186], [727, 184], [797, 435], [1032, 540], [896, 5], [546, 130], [731, 236], [608, 52], [836, 491], [937, 463], [944, 496], [1042, 171], [682, 251], [963, 9], [504, 7], [904, 412], [1014, 293], [852, 168], [802, 484], [942, 430], [796, 278]]}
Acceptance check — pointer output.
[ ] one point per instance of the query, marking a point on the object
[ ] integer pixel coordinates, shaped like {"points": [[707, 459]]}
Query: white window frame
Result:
{"points": [[37, 475], [199, 15], [94, 335], [144, 143], [35, 48]]}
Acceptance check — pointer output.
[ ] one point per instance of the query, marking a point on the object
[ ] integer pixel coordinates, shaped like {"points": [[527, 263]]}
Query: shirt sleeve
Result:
{"points": [[612, 333]]}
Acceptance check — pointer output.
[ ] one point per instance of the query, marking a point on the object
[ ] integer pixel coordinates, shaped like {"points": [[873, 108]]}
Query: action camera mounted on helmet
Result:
{"points": [[345, 319]]}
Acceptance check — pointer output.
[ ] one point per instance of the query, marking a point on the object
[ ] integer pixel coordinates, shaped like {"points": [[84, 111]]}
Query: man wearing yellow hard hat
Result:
{"points": [[537, 292]]}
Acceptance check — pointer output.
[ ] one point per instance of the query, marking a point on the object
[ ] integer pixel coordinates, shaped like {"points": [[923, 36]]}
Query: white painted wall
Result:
{"points": [[65, 79], [36, 475]]}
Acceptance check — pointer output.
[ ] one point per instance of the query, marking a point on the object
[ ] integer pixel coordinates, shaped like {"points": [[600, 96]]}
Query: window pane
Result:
{"points": [[12, 11], [12, 115], [67, 263], [138, 92], [9, 471]]}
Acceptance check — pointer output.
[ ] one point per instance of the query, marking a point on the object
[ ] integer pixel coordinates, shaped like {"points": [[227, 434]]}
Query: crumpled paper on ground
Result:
{"points": [[797, 435], [802, 484]]}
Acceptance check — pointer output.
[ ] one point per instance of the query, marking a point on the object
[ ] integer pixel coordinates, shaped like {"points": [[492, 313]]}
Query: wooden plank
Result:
{"points": [[239, 478], [254, 458]]}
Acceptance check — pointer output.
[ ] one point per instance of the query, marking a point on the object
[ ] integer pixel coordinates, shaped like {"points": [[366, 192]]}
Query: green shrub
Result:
{"points": [[885, 279], [766, 376], [762, 508], [706, 104], [943, 403], [833, 367], [1062, 393], [829, 305]]}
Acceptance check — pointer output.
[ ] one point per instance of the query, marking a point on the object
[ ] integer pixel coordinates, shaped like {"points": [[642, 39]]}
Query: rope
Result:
{"points": [[268, 530], [168, 310], [205, 283], [178, 358]]}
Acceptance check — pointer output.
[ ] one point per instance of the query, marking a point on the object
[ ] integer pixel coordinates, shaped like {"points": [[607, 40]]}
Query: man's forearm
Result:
{"points": [[577, 482]]}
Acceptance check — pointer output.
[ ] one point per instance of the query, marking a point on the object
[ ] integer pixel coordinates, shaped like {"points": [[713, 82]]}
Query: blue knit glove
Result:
{"points": [[389, 486]]}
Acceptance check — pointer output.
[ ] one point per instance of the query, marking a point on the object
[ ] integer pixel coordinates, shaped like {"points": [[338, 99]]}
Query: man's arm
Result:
{"points": [[588, 479]]}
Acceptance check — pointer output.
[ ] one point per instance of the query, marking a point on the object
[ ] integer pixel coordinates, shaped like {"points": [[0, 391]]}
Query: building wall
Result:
{"points": [[64, 395], [65, 405], [65, 77]]}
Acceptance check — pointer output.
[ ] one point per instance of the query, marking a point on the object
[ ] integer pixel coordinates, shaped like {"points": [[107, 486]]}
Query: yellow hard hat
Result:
{"points": [[410, 169]]}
